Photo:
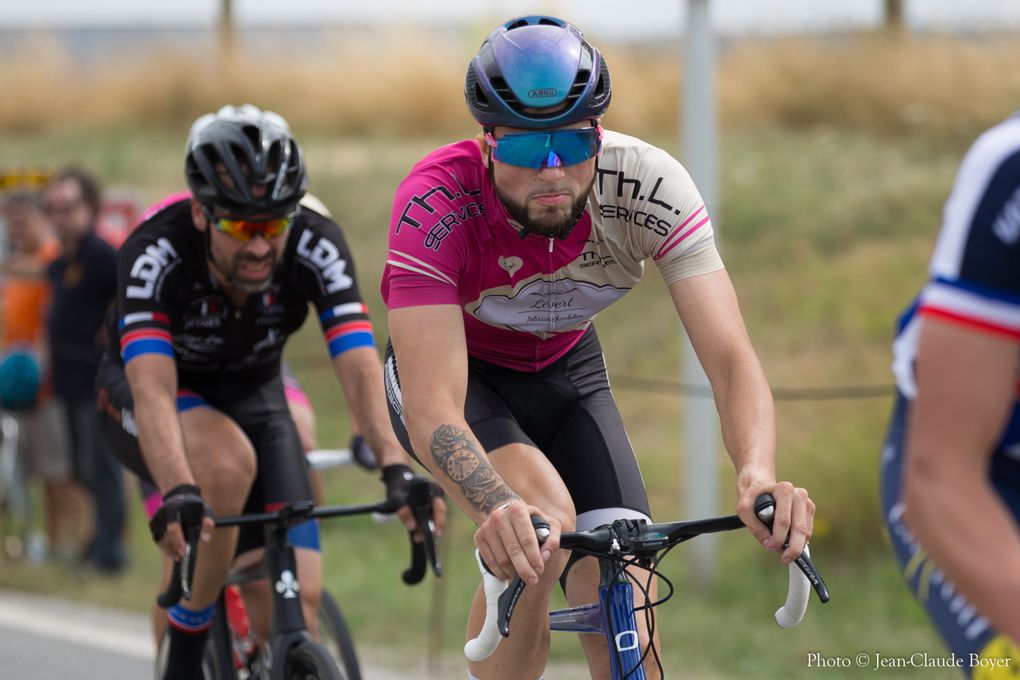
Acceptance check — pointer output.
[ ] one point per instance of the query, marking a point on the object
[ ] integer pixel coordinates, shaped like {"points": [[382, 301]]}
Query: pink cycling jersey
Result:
{"points": [[527, 301]]}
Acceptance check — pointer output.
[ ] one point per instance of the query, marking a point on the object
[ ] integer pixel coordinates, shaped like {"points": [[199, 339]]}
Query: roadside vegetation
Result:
{"points": [[836, 157]]}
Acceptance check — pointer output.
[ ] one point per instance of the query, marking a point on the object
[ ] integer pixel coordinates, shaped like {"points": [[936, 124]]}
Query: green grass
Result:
{"points": [[825, 232]]}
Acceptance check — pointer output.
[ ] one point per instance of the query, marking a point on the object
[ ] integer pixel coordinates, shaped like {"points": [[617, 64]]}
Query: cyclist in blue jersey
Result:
{"points": [[951, 463], [209, 287]]}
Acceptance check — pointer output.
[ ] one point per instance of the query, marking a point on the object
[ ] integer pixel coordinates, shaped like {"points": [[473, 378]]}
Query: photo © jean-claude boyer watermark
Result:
{"points": [[878, 661]]}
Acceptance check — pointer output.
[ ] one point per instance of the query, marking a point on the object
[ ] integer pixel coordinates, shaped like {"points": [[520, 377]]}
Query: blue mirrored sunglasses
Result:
{"points": [[551, 149]]}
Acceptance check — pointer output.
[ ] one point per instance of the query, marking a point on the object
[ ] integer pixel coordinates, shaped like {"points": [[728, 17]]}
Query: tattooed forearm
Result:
{"points": [[459, 456]]}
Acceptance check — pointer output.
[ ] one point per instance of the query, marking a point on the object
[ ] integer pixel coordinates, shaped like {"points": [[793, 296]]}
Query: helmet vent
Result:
{"points": [[504, 92], [577, 89], [533, 21]]}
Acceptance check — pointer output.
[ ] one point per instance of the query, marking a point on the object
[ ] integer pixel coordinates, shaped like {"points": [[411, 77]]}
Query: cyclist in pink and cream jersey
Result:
{"points": [[502, 250]]}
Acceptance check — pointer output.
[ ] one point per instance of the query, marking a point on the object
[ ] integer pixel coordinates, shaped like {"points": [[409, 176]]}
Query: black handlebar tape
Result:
{"points": [[416, 572], [173, 592]]}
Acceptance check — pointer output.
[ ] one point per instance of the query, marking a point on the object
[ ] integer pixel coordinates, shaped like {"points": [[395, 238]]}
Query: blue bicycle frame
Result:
{"points": [[613, 617]]}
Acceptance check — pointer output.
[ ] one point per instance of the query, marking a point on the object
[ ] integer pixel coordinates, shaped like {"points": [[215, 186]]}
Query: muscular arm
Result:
{"points": [[708, 307], [966, 381], [432, 356], [153, 380]]}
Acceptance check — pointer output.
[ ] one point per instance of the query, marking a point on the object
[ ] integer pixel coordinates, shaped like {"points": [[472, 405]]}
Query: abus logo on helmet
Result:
{"points": [[542, 92]]}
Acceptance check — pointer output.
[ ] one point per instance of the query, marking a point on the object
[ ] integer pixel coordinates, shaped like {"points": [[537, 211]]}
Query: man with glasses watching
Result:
{"points": [[502, 249], [209, 288], [84, 282]]}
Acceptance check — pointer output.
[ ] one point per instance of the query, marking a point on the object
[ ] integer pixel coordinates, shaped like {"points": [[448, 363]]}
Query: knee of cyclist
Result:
{"points": [[231, 479], [563, 513]]}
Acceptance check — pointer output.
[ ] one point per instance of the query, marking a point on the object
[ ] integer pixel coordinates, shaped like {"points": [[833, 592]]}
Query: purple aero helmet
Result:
{"points": [[536, 72]]}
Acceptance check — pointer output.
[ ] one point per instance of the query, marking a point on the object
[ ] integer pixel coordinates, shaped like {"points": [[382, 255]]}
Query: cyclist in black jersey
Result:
{"points": [[210, 286]]}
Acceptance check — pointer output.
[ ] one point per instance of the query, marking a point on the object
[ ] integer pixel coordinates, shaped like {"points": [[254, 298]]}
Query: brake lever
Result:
{"points": [[419, 499], [187, 568], [764, 509], [508, 600]]}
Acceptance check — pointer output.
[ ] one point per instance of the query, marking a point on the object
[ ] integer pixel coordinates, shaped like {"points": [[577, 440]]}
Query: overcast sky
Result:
{"points": [[605, 17]]}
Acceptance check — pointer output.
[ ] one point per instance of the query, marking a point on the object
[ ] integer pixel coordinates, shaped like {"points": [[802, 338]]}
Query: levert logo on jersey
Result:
{"points": [[326, 258], [149, 267]]}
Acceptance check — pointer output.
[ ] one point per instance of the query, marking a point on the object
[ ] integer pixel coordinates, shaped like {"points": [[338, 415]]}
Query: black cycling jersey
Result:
{"points": [[168, 303]]}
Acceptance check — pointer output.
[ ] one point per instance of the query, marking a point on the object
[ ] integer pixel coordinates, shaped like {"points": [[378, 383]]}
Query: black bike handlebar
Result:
{"points": [[422, 553], [639, 539]]}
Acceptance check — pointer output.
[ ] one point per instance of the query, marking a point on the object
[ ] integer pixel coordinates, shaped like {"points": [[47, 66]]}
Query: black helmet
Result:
{"points": [[237, 147], [536, 72]]}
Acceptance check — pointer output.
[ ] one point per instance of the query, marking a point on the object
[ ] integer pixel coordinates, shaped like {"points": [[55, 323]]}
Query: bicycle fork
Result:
{"points": [[287, 626]]}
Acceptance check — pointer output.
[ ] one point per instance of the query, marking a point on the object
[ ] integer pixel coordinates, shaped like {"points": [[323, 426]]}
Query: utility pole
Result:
{"points": [[701, 425], [894, 16], [227, 32]]}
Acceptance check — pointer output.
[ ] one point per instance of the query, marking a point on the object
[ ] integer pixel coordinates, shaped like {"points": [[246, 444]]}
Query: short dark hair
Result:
{"points": [[91, 189]]}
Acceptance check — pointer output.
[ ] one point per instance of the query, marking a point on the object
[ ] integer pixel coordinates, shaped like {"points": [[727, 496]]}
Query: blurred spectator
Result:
{"points": [[24, 296], [84, 279]]}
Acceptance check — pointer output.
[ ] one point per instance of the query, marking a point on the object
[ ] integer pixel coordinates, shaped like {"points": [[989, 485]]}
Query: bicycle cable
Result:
{"points": [[621, 567]]}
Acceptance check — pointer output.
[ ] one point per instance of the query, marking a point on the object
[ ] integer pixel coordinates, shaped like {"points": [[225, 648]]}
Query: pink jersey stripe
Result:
{"points": [[160, 205], [674, 244]]}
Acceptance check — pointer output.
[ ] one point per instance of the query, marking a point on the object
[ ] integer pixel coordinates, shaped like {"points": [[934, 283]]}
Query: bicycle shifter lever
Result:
{"points": [[765, 509], [508, 600], [191, 535]]}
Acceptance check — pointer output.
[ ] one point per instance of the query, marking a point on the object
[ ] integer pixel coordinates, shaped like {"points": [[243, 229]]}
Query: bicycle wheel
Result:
{"points": [[218, 657], [308, 660], [335, 636]]}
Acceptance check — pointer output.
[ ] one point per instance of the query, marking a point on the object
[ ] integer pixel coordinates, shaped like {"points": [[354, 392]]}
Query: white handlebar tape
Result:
{"points": [[481, 647], [790, 614], [324, 459]]}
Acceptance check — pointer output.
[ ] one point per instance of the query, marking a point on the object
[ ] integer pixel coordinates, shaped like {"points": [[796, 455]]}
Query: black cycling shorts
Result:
{"points": [[260, 411], [565, 410]]}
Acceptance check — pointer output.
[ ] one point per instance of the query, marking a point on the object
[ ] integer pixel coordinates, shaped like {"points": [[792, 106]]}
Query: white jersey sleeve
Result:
{"points": [[652, 199]]}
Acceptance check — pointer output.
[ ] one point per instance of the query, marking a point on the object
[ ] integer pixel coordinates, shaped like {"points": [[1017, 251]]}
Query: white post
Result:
{"points": [[701, 428]]}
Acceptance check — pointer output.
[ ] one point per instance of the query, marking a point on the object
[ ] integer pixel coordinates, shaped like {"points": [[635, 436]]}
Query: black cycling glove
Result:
{"points": [[396, 478], [182, 504]]}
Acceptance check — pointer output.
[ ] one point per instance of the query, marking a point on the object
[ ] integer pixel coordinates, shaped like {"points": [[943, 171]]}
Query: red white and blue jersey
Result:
{"points": [[169, 304], [527, 301], [975, 269]]}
